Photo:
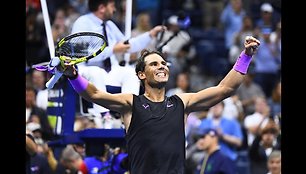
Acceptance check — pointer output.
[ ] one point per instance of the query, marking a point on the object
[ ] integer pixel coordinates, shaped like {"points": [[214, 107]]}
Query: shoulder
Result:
{"points": [[129, 98], [112, 24], [83, 18]]}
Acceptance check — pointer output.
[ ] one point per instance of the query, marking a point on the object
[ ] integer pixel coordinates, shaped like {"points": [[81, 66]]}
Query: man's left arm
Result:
{"points": [[206, 98]]}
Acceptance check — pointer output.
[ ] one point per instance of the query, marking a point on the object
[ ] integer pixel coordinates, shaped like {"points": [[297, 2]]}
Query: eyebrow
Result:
{"points": [[162, 62]]}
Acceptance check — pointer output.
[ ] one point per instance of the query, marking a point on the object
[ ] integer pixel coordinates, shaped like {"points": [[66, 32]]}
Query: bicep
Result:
{"points": [[203, 99], [116, 102]]}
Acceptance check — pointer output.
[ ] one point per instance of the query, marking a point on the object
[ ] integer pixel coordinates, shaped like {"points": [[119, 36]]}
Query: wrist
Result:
{"points": [[73, 76], [242, 63], [79, 83], [151, 34]]}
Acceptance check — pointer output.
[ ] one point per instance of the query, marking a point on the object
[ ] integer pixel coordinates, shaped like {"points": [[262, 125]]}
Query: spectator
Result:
{"points": [[171, 41], [34, 113], [212, 10], [31, 150], [267, 63], [72, 160], [247, 29], [143, 24], [248, 92], [39, 83], [257, 120], [264, 144], [229, 130], [182, 85], [266, 17], [113, 78], [231, 18], [214, 161], [275, 100], [275, 162]]}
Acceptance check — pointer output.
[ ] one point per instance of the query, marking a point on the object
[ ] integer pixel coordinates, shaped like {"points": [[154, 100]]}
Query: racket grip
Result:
{"points": [[54, 79]]}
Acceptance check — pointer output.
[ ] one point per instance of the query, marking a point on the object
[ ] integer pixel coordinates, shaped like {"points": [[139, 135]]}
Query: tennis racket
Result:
{"points": [[74, 49]]}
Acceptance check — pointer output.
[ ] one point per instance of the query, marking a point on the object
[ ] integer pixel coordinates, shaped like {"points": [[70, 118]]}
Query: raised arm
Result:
{"points": [[121, 103], [206, 98]]}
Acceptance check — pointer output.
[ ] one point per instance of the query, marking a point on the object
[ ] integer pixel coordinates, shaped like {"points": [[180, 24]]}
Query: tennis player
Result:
{"points": [[154, 123]]}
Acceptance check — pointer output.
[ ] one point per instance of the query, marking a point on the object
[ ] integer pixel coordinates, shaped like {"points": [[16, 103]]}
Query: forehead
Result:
{"points": [[153, 58]]}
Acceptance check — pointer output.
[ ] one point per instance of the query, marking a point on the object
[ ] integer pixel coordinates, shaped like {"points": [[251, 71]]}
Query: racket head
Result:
{"points": [[81, 46]]}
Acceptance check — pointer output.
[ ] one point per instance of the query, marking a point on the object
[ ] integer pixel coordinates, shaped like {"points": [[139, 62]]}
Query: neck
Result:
{"points": [[155, 94], [99, 15], [212, 149]]}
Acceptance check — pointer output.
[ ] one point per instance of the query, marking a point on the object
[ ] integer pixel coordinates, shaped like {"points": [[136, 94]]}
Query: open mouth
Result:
{"points": [[161, 74]]}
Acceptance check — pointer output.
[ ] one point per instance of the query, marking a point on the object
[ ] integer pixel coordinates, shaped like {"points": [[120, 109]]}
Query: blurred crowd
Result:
{"points": [[247, 124]]}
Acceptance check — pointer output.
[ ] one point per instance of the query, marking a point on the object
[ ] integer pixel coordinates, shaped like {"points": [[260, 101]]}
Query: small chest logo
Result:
{"points": [[145, 106], [169, 105]]}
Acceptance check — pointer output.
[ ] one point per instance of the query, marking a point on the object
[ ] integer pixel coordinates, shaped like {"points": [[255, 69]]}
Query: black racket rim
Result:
{"points": [[63, 40]]}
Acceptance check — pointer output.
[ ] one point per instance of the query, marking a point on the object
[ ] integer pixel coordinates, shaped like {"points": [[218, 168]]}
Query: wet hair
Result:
{"points": [[94, 4], [140, 65]]}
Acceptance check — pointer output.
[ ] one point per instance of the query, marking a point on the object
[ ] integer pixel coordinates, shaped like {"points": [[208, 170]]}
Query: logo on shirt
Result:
{"points": [[169, 105], [145, 106]]}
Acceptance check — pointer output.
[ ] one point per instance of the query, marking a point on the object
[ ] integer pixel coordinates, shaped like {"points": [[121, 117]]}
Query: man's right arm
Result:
{"points": [[121, 102]]}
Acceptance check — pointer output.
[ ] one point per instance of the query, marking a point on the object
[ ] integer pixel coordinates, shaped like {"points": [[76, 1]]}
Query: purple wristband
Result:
{"points": [[243, 63], [79, 84]]}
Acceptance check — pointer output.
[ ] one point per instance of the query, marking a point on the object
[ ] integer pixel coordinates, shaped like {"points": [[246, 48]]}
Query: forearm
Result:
{"points": [[140, 42], [115, 102], [227, 87], [234, 78], [83, 87], [231, 82], [51, 160], [31, 146], [234, 141]]}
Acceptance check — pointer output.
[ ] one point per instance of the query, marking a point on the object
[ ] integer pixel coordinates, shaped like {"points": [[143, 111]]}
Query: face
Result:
{"points": [[261, 105], [182, 81], [204, 142], [268, 138], [38, 78], [30, 98], [248, 22], [274, 165], [217, 110], [110, 9], [70, 164], [156, 71], [80, 149], [144, 22]]}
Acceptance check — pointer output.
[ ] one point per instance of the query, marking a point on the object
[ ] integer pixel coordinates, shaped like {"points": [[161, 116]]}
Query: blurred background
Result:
{"points": [[207, 50]]}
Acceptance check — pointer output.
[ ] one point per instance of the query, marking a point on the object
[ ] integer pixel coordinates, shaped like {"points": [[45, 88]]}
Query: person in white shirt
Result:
{"points": [[119, 79]]}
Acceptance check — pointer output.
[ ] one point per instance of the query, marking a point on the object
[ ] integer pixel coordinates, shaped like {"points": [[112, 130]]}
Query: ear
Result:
{"points": [[141, 75]]}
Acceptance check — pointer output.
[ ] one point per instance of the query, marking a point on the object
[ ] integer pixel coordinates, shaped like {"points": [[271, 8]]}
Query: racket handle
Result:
{"points": [[54, 79]]}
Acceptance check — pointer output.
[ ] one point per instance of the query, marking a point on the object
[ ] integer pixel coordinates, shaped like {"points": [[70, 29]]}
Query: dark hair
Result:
{"points": [[140, 65], [30, 87], [94, 4]]}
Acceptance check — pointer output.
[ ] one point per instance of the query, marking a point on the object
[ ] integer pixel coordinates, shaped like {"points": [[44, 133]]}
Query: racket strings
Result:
{"points": [[81, 46]]}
